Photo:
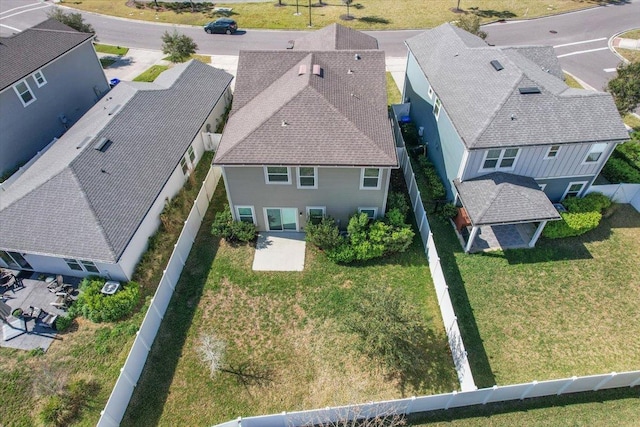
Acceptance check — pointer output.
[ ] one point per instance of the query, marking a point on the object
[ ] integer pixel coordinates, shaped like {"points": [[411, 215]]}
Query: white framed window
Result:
{"points": [[184, 164], [191, 154], [430, 92], [24, 92], [371, 212], [246, 214], [81, 265], [552, 152], [437, 106], [277, 175], [39, 78], [73, 264], [89, 266], [595, 152], [574, 189], [370, 178], [315, 213], [500, 159], [307, 177]]}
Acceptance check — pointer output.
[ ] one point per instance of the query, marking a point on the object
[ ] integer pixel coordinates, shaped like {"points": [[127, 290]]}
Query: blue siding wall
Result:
{"points": [[445, 148]]}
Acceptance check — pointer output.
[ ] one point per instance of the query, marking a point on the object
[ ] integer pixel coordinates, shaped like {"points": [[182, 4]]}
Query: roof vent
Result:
{"points": [[302, 70], [102, 144], [349, 71], [84, 142], [114, 109], [497, 65], [529, 90], [317, 70], [356, 56], [284, 123]]}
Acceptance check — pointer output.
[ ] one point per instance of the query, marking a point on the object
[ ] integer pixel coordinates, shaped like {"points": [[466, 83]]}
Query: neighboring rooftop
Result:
{"points": [[80, 202], [502, 198], [336, 37], [30, 50], [309, 108], [488, 109]]}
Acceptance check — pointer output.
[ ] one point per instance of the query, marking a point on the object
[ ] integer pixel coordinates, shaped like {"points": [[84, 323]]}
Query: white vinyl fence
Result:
{"points": [[130, 372], [412, 405], [619, 193]]}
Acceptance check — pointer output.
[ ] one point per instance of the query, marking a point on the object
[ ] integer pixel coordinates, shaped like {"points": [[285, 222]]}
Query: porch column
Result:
{"points": [[472, 237], [537, 234]]}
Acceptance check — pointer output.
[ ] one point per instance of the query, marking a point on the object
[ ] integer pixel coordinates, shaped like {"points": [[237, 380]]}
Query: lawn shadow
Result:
{"points": [[152, 390], [491, 13]]}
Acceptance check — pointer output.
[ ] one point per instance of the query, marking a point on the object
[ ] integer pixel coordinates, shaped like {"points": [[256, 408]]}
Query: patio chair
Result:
{"points": [[47, 319], [62, 301]]}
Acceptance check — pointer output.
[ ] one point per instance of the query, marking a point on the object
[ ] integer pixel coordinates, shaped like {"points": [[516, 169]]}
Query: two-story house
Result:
{"points": [[505, 132], [89, 204], [309, 133], [49, 77]]}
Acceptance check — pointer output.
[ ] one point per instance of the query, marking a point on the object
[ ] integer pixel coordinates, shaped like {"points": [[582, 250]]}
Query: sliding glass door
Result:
{"points": [[282, 219]]}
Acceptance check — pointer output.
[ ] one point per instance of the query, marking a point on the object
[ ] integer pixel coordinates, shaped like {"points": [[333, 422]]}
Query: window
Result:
{"points": [[574, 189], [500, 159], [24, 92], [371, 212], [307, 177], [184, 165], [436, 108], [430, 93], [39, 78], [552, 153], [90, 266], [73, 264], [245, 214], [315, 214], [595, 152], [191, 154], [15, 260], [277, 175], [370, 179]]}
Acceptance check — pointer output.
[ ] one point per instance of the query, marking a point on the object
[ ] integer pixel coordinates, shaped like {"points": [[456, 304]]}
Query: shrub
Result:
{"points": [[630, 150], [395, 218], [448, 211], [64, 322], [410, 134], [325, 234], [572, 224], [618, 170], [97, 307], [62, 408], [398, 200], [232, 231], [179, 47], [434, 182], [592, 202]]}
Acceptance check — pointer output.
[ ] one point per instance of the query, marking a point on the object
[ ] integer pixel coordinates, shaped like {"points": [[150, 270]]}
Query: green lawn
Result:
{"points": [[106, 62], [567, 307], [393, 93], [289, 325], [572, 82], [633, 121], [151, 74], [113, 50], [369, 14]]}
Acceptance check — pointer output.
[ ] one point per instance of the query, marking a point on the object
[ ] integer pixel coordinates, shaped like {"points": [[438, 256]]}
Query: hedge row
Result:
{"points": [[583, 214]]}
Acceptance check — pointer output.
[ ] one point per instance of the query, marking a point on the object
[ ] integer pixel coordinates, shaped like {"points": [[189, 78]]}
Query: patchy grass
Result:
{"points": [[393, 93], [107, 62], [571, 81], [633, 34], [632, 120], [202, 58], [629, 54], [288, 326], [88, 351], [369, 14], [112, 50], [151, 74], [617, 407]]}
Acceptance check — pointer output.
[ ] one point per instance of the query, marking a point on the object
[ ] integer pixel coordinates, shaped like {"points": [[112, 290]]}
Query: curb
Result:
{"points": [[613, 49]]}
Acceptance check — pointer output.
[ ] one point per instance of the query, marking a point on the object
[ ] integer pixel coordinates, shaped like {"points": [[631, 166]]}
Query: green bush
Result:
{"points": [[618, 170], [64, 322], [630, 150], [232, 231], [398, 200], [448, 211], [572, 224], [592, 202], [410, 134], [434, 182], [97, 307], [325, 234], [61, 409]]}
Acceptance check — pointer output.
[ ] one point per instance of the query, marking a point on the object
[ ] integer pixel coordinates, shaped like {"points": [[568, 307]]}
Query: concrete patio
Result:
{"points": [[499, 237], [34, 293], [279, 252]]}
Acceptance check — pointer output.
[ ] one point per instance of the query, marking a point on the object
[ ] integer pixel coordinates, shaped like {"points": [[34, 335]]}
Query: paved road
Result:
{"points": [[580, 38]]}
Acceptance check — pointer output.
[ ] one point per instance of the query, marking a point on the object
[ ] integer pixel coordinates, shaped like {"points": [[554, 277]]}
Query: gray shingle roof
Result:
{"points": [[336, 37], [486, 106], [30, 50], [501, 198], [87, 204], [338, 118]]}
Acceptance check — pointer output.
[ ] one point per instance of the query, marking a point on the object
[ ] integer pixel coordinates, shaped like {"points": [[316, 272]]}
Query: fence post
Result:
{"points": [[179, 256], [144, 343], [604, 381], [444, 293], [564, 387], [165, 276], [453, 396], [125, 375], [529, 389], [109, 418], [155, 307], [409, 409], [486, 399]]}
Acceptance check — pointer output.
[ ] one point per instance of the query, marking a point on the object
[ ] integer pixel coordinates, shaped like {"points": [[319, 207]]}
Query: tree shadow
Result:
{"points": [[152, 391], [374, 20], [491, 13]]}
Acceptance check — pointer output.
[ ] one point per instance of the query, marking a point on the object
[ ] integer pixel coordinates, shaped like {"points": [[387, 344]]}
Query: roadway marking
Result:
{"points": [[19, 7], [25, 11], [11, 28], [582, 42], [609, 70], [583, 51]]}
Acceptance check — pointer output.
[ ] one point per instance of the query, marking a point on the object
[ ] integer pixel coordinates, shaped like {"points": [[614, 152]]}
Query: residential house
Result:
{"points": [[502, 128], [309, 134], [49, 77], [90, 203]]}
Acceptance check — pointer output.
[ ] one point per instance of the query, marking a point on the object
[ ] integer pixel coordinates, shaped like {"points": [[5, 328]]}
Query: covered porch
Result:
{"points": [[502, 211]]}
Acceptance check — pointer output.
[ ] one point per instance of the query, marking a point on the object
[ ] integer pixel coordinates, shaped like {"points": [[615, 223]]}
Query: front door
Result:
{"points": [[282, 219]]}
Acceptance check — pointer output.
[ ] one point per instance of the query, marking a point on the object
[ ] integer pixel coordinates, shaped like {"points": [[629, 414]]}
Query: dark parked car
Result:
{"points": [[222, 25]]}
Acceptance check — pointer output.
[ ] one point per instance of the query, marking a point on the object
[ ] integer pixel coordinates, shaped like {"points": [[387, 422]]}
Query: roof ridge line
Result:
{"points": [[499, 107]]}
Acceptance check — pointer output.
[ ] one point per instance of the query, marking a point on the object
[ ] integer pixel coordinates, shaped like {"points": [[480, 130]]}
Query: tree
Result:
{"points": [[626, 87], [347, 2], [73, 20], [179, 47], [471, 24]]}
